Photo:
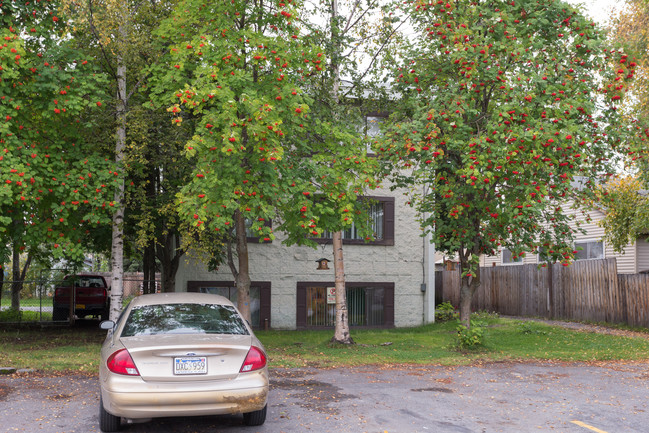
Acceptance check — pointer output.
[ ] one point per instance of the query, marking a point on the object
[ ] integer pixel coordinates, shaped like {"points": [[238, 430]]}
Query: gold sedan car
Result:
{"points": [[181, 354]]}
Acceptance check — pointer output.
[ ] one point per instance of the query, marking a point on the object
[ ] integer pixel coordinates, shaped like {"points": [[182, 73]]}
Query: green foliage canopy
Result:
{"points": [[512, 110], [245, 70], [54, 183]]}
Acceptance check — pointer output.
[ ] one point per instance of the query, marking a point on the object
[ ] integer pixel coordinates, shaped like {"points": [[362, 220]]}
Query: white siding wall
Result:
{"points": [[627, 263], [401, 264], [497, 260], [642, 251]]}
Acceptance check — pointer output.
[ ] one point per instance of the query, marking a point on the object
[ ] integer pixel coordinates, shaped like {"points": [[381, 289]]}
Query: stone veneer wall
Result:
{"points": [[283, 267]]}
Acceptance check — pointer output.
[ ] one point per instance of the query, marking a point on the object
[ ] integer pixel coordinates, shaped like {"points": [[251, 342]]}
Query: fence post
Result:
{"points": [[551, 291]]}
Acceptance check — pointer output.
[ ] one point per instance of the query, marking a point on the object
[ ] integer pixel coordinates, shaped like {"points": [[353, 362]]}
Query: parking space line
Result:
{"points": [[589, 427]]}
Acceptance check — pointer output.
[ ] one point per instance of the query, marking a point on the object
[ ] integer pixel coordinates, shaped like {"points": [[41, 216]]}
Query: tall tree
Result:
{"points": [[256, 149], [120, 35], [156, 171], [630, 27], [55, 186], [510, 109], [627, 211], [624, 198], [247, 60], [354, 35]]}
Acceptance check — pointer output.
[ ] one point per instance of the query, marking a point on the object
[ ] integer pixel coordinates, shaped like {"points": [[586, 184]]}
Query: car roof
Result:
{"points": [[180, 298]]}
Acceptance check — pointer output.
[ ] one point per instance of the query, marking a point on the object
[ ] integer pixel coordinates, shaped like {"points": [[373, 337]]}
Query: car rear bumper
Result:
{"points": [[144, 400]]}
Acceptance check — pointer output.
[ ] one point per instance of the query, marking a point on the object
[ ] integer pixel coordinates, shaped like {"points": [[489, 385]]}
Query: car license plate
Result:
{"points": [[190, 365], [80, 306]]}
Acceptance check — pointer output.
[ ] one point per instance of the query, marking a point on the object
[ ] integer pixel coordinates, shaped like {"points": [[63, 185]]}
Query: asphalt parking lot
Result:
{"points": [[495, 397]]}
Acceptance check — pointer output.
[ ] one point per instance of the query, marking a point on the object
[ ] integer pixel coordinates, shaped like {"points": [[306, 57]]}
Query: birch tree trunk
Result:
{"points": [[341, 330], [117, 247]]}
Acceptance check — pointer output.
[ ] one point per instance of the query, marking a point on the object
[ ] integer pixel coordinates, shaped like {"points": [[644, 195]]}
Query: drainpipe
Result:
{"points": [[428, 285]]}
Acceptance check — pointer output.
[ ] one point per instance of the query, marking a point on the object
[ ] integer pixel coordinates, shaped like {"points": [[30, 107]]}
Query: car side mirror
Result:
{"points": [[107, 325]]}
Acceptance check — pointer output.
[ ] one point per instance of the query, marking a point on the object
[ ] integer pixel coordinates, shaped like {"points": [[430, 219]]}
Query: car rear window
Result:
{"points": [[183, 319], [83, 282]]}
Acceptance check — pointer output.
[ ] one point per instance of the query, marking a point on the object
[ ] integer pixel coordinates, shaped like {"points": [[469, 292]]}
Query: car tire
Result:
{"points": [[108, 422], [257, 417], [59, 314]]}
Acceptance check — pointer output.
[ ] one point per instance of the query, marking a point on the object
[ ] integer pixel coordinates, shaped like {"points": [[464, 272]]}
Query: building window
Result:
{"points": [[381, 215], [372, 130], [376, 216], [369, 305], [544, 256], [259, 297], [588, 250], [251, 234], [508, 259]]}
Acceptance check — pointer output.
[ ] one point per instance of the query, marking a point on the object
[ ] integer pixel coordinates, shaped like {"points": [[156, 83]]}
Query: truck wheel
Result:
{"points": [[59, 314]]}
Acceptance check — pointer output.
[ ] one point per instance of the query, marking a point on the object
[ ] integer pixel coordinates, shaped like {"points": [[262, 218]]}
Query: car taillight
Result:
{"points": [[255, 360], [121, 362]]}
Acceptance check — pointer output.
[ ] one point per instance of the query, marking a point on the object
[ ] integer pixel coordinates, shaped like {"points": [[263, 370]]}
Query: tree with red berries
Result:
{"points": [[55, 182], [259, 154], [624, 197], [510, 114], [248, 63]]}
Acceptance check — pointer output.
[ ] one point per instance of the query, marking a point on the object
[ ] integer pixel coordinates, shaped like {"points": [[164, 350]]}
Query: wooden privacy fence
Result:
{"points": [[586, 290]]}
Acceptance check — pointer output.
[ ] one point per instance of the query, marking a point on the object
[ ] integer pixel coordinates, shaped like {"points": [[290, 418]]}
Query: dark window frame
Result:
{"points": [[388, 225], [301, 307], [257, 239], [264, 295]]}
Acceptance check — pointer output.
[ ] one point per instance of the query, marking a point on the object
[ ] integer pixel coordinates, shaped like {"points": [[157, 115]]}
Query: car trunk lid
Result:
{"points": [[188, 357]]}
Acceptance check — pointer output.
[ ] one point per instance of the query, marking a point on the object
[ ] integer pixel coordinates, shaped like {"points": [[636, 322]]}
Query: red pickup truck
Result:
{"points": [[90, 297]]}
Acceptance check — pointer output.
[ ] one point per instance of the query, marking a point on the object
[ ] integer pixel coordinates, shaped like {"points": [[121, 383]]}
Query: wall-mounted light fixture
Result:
{"points": [[322, 264]]}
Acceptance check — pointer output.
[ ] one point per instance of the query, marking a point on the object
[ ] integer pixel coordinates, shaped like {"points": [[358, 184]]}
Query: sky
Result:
{"points": [[600, 10]]}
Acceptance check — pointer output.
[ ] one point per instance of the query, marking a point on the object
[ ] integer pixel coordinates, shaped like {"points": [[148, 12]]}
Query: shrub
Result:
{"points": [[11, 315], [469, 338], [445, 312]]}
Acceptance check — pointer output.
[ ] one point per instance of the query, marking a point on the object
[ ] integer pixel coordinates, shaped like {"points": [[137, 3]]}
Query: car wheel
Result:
{"points": [[59, 314], [104, 315], [108, 422], [257, 417]]}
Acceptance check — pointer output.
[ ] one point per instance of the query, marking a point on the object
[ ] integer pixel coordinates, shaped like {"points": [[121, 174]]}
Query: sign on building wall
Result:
{"points": [[331, 295]]}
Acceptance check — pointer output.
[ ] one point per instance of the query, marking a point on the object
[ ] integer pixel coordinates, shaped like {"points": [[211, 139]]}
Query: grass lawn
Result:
{"points": [[63, 348], [46, 301]]}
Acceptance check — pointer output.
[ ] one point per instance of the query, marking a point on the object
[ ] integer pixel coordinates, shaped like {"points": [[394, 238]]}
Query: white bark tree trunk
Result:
{"points": [[117, 246], [341, 332]]}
